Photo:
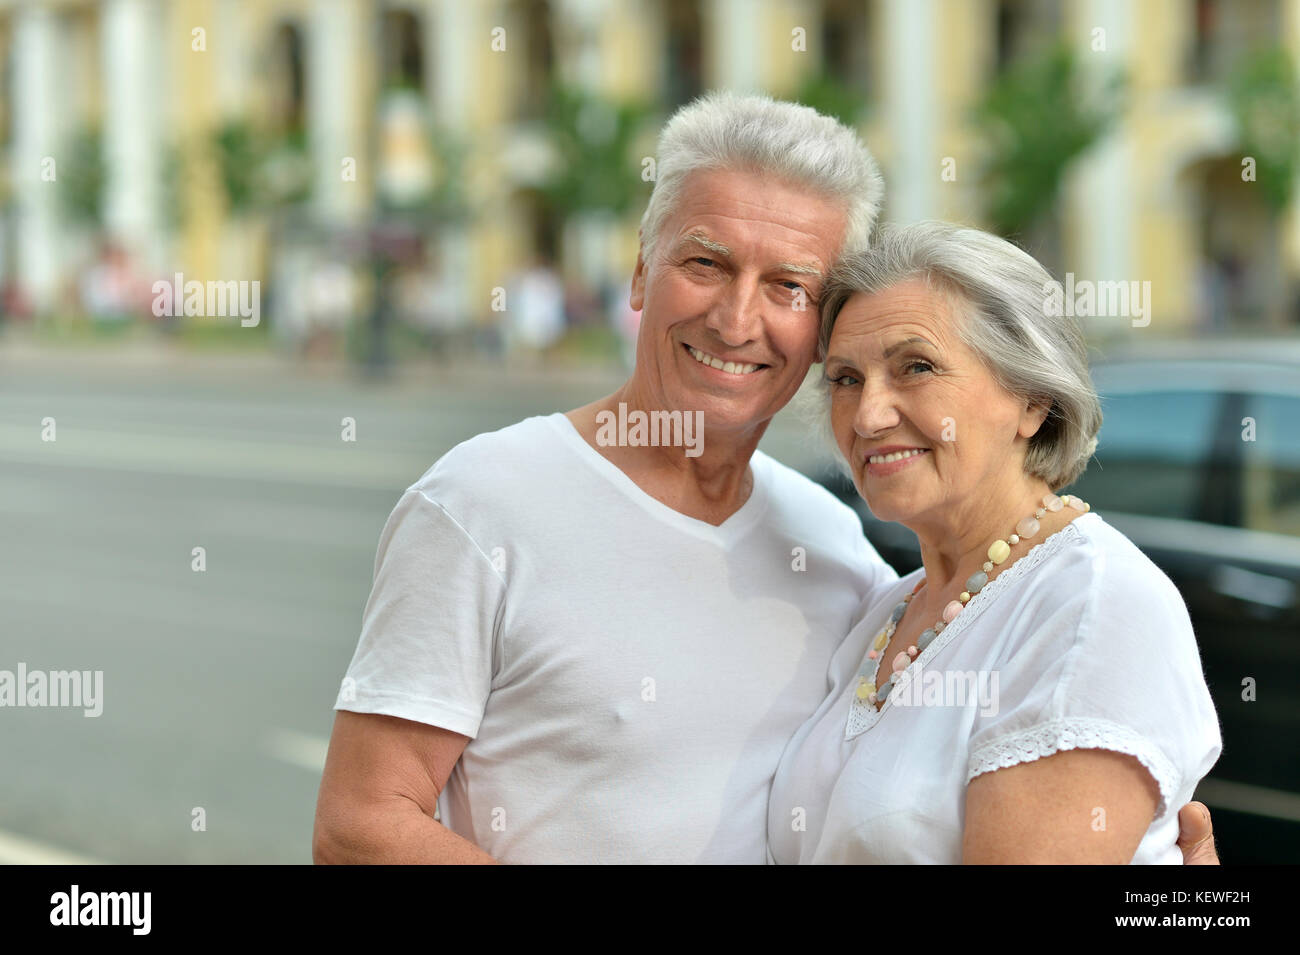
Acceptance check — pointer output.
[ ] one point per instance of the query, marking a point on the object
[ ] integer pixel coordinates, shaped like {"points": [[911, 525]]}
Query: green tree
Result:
{"points": [[1264, 98], [1265, 102], [81, 173], [1039, 116], [592, 139]]}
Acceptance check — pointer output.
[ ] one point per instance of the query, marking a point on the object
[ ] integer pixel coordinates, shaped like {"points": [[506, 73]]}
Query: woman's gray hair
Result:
{"points": [[794, 143], [1032, 349]]}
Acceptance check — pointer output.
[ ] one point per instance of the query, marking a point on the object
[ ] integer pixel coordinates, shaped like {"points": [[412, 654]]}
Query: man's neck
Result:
{"points": [[709, 487]]}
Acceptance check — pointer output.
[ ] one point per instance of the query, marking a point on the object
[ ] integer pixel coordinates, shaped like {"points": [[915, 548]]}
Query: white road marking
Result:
{"points": [[297, 749], [19, 850], [203, 455]]}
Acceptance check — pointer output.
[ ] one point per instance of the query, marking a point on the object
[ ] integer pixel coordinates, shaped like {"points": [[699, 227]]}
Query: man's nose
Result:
{"points": [[735, 316], [877, 410]]}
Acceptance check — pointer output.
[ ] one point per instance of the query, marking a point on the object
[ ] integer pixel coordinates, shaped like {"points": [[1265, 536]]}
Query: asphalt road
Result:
{"points": [[217, 685]]}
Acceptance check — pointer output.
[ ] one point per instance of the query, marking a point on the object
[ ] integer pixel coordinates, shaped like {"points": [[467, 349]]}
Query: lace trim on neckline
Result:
{"points": [[863, 716], [1076, 732]]}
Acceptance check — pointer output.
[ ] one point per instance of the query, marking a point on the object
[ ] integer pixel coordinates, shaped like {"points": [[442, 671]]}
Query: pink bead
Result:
{"points": [[950, 612], [912, 652], [872, 654], [1077, 504], [1028, 528], [1052, 502], [900, 662]]}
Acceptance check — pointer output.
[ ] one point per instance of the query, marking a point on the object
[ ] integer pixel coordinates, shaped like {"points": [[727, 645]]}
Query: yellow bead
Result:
{"points": [[999, 551], [865, 690], [882, 638], [964, 597]]}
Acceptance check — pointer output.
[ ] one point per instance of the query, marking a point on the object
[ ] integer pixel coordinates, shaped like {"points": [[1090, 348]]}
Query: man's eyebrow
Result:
{"points": [[701, 239], [798, 269], [914, 340]]}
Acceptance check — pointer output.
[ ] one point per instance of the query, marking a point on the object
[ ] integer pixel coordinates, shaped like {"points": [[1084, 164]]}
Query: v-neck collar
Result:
{"points": [[724, 534], [862, 715]]}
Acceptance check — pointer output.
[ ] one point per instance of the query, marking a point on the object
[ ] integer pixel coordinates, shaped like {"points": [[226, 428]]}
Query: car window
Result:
{"points": [[1159, 454], [1271, 466]]}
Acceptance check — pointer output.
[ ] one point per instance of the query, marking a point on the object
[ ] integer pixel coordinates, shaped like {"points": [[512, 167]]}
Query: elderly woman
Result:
{"points": [[1033, 693]]}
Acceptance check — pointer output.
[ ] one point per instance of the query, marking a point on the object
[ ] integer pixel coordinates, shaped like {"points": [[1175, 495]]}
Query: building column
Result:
{"points": [[911, 33], [733, 45], [1101, 192], [339, 80], [132, 146], [38, 130]]}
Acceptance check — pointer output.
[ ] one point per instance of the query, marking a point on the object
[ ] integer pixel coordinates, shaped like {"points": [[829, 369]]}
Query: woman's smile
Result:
{"points": [[888, 461]]}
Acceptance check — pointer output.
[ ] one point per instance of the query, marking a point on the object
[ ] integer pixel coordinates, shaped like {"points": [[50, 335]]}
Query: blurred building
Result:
{"points": [[122, 122]]}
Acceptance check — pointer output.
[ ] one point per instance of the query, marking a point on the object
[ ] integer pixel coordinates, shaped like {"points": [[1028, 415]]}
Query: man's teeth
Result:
{"points": [[895, 456], [730, 367]]}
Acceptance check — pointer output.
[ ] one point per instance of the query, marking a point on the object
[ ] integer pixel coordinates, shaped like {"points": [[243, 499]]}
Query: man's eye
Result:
{"points": [[703, 260]]}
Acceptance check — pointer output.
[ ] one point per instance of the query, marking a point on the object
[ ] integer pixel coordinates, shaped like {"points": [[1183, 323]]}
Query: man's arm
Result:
{"points": [[377, 796], [1196, 835]]}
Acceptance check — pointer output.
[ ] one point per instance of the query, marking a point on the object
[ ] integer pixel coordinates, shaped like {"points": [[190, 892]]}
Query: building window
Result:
{"points": [[289, 84], [403, 50], [683, 57]]}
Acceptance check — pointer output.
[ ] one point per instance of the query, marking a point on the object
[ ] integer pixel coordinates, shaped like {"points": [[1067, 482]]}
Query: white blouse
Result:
{"points": [[1083, 643]]}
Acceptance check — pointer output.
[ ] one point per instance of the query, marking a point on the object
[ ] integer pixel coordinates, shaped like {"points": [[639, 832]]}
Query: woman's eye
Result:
{"points": [[923, 365], [843, 381]]}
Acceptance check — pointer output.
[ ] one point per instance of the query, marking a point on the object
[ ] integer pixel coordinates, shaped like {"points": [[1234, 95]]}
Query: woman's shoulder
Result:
{"points": [[1104, 564]]}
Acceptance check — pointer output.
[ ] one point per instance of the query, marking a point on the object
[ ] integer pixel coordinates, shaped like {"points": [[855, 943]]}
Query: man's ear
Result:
{"points": [[637, 299]]}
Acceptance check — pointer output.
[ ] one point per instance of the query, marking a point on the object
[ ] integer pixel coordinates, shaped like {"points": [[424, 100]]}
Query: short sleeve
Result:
{"points": [[427, 650], [1104, 658]]}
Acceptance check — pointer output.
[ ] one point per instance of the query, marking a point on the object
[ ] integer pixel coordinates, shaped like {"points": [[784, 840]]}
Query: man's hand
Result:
{"points": [[1196, 836]]}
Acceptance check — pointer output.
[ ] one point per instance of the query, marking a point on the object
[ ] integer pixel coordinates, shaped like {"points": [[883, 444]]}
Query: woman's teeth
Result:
{"points": [[730, 367], [895, 456]]}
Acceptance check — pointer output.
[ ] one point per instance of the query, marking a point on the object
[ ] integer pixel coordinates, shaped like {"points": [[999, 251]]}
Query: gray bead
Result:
{"points": [[882, 691], [975, 583], [924, 639], [897, 615]]}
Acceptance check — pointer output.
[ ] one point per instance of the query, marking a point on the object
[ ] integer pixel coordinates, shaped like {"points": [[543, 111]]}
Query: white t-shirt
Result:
{"points": [[1091, 647], [629, 675]]}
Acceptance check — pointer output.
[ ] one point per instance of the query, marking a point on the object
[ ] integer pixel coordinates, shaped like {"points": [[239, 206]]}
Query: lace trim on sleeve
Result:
{"points": [[1075, 733]]}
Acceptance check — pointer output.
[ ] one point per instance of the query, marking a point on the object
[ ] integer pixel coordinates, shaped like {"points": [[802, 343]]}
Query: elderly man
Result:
{"points": [[592, 634]]}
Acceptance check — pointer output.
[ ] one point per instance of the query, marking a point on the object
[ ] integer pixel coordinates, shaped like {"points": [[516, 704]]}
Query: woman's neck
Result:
{"points": [[955, 544]]}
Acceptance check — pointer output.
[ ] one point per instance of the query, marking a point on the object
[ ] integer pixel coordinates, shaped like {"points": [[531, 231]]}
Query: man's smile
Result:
{"points": [[721, 364]]}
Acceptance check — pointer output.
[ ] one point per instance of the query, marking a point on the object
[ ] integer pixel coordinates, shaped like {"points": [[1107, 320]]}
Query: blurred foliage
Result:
{"points": [[595, 167], [258, 170], [450, 202], [81, 172], [1039, 116], [1265, 101], [832, 97]]}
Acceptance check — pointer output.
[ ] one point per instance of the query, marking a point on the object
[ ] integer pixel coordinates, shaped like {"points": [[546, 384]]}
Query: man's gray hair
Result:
{"points": [[1033, 351], [797, 144]]}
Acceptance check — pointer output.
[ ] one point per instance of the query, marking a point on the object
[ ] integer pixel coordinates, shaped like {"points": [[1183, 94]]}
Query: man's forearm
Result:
{"points": [[398, 835]]}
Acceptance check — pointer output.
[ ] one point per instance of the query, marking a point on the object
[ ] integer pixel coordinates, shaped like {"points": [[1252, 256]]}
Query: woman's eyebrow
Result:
{"points": [[914, 340]]}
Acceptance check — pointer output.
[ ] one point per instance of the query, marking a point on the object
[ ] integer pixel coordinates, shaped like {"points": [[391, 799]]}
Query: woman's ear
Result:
{"points": [[1035, 413]]}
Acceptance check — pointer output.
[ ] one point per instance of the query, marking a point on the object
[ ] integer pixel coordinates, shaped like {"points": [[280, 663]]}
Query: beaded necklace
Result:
{"points": [[867, 689]]}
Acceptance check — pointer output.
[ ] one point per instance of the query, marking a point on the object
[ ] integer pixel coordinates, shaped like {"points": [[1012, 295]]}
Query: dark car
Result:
{"points": [[1198, 464]]}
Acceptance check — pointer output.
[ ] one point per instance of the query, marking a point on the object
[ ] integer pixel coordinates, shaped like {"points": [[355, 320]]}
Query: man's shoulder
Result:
{"points": [[481, 466]]}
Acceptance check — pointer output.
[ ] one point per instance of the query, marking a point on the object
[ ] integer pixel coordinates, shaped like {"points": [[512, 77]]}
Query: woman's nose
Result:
{"points": [[877, 411]]}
